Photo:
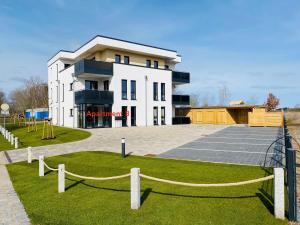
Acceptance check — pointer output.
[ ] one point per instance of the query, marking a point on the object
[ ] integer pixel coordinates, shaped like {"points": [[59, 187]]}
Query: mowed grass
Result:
{"points": [[62, 135], [108, 202], [4, 144]]}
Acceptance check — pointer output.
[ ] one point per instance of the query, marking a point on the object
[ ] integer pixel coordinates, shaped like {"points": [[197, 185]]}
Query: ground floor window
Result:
{"points": [[155, 115], [124, 116], [92, 115], [133, 115], [163, 116]]}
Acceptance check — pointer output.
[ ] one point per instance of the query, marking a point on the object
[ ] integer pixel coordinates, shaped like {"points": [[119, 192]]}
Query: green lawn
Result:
{"points": [[4, 144], [108, 202], [33, 139]]}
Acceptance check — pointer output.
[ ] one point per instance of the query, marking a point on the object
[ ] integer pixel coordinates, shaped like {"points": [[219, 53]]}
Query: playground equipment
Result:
{"points": [[21, 119], [31, 124], [48, 132]]}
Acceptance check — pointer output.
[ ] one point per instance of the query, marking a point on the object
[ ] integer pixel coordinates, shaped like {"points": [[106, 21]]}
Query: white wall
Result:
{"points": [[143, 108]]}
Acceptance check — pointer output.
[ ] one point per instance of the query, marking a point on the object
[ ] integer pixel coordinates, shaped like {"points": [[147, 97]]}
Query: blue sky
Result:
{"points": [[252, 47]]}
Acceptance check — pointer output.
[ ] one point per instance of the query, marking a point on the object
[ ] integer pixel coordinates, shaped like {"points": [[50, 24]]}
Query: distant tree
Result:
{"points": [[272, 102], [33, 95], [224, 95], [194, 100], [297, 106], [2, 97]]}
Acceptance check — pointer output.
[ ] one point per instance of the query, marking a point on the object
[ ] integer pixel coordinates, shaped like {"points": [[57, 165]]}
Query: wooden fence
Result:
{"points": [[265, 119]]}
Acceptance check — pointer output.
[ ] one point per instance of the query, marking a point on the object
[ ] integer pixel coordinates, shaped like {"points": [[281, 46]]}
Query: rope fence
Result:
{"points": [[135, 175], [208, 185], [9, 136]]}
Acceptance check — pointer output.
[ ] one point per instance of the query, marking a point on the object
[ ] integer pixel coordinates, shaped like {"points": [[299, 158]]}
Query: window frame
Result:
{"points": [[71, 112], [133, 92], [117, 55], [155, 91], [126, 57], [125, 97], [148, 63], [155, 64], [163, 115], [163, 91], [155, 116], [91, 85]]}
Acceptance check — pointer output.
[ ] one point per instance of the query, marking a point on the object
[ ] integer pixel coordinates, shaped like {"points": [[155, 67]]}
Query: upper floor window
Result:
{"points": [[106, 85], [67, 65], [126, 60], [124, 89], [156, 64], [167, 67], [133, 89], [91, 85], [71, 86], [155, 91], [117, 58], [163, 91], [148, 63], [63, 92]]}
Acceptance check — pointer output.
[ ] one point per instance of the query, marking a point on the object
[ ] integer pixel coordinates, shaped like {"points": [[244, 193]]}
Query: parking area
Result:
{"points": [[238, 145]]}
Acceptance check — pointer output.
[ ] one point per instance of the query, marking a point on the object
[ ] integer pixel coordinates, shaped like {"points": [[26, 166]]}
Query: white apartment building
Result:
{"points": [[109, 82]]}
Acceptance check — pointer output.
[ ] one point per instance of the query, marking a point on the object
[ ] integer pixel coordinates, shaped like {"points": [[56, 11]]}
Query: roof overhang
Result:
{"points": [[99, 43]]}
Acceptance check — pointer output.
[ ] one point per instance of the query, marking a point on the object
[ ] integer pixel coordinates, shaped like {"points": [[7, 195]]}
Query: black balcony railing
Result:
{"points": [[181, 120], [180, 77], [180, 99], [86, 66], [94, 97]]}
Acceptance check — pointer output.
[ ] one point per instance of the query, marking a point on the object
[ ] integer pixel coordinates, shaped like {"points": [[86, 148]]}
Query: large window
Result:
{"points": [[155, 91], [91, 85], [148, 63], [163, 91], [163, 116], [133, 115], [126, 60], [155, 115], [124, 116], [133, 89], [117, 58], [124, 89], [156, 64], [106, 85]]}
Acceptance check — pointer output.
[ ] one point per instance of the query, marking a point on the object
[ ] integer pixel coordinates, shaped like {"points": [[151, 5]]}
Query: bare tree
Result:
{"points": [[34, 94], [2, 97], [224, 95], [206, 100], [272, 102]]}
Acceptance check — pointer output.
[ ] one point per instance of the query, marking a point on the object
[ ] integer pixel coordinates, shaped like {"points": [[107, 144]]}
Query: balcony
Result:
{"points": [[180, 77], [94, 97], [88, 68], [180, 99]]}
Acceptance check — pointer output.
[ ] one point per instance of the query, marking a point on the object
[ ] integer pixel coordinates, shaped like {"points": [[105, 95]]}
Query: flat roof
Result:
{"points": [[116, 43], [229, 107]]}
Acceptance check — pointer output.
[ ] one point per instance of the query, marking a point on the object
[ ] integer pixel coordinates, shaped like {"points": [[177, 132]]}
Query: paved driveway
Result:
{"points": [[139, 140], [240, 145]]}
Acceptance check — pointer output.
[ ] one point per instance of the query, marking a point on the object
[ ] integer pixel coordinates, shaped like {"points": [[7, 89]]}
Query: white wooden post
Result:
{"points": [[8, 136], [29, 155], [279, 193], [135, 189], [41, 166], [12, 139], [16, 142], [61, 178]]}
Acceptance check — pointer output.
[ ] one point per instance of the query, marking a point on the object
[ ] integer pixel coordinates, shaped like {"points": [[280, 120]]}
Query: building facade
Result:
{"points": [[110, 82]]}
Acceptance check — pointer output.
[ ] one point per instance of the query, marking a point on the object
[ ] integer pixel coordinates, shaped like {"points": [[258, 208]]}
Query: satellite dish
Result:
{"points": [[5, 107]]}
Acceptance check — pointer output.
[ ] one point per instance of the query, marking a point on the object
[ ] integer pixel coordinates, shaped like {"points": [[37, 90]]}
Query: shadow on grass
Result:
{"points": [[149, 191]]}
